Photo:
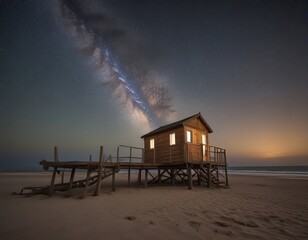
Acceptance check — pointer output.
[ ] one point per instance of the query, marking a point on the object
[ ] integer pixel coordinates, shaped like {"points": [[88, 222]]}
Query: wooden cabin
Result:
{"points": [[180, 142]]}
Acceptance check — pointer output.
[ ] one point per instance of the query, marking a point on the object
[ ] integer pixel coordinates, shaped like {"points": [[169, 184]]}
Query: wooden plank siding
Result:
{"points": [[163, 152], [195, 147], [181, 151]]}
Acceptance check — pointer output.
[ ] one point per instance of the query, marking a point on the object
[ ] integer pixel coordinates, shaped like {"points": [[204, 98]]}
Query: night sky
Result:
{"points": [[80, 74]]}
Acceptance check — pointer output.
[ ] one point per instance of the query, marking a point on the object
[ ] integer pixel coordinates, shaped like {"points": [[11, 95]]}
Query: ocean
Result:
{"points": [[270, 170]]}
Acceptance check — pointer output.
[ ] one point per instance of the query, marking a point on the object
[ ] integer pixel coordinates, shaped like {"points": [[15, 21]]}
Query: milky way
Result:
{"points": [[123, 66]]}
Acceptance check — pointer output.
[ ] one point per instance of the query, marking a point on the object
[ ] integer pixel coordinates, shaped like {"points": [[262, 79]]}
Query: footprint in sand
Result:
{"points": [[195, 225], [131, 218]]}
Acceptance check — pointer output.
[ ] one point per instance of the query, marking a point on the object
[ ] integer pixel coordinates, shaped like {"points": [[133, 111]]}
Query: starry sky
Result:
{"points": [[80, 74]]}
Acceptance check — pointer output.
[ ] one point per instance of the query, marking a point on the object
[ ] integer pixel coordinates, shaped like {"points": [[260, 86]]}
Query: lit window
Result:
{"points": [[203, 139], [172, 139], [188, 136], [152, 143]]}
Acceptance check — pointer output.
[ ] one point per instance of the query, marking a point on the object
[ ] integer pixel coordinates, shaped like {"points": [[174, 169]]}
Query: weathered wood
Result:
{"points": [[53, 181], [56, 157], [190, 183], [172, 177], [86, 185], [146, 178], [130, 161], [226, 171], [71, 182], [62, 176], [113, 179], [209, 175], [139, 177], [100, 169]]}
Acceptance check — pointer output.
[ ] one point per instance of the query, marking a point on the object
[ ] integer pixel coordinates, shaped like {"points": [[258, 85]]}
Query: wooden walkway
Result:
{"points": [[203, 173]]}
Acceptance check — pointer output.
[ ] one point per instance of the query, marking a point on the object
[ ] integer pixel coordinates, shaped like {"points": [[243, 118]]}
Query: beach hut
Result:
{"points": [[183, 141]]}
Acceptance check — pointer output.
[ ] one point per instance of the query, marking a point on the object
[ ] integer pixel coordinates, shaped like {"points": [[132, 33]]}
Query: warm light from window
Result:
{"points": [[203, 139], [188, 136], [152, 143], [172, 139]]}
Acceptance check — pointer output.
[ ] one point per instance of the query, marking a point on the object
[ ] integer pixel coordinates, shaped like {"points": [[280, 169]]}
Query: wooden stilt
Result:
{"points": [[190, 185], [209, 175], [128, 176], [172, 177], [53, 178], [146, 178], [87, 184], [130, 161], [62, 176], [226, 171], [139, 177], [99, 174], [71, 182], [113, 179], [56, 157]]}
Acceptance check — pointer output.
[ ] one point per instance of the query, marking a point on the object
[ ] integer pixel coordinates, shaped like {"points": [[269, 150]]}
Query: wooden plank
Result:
{"points": [[146, 178], [53, 181], [71, 182], [85, 191], [226, 171], [172, 177], [209, 175], [139, 177], [99, 174], [56, 157], [113, 179], [190, 185]]}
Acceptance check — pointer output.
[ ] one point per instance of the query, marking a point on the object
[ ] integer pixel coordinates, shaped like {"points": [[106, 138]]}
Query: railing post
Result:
{"points": [[226, 171], [118, 150], [130, 161], [99, 174], [55, 154]]}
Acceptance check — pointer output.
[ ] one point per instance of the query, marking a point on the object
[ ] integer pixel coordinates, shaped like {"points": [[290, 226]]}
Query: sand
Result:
{"points": [[253, 207]]}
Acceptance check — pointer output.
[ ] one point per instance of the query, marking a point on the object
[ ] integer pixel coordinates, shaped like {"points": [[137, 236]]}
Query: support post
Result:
{"points": [[226, 171], [62, 176], [139, 177], [190, 185], [55, 153], [146, 178], [130, 161], [159, 176], [99, 174], [113, 179], [209, 175], [52, 181], [87, 183], [172, 177], [71, 182]]}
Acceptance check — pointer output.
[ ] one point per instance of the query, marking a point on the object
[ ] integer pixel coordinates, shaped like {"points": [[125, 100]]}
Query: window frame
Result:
{"points": [[191, 136], [171, 138], [152, 140]]}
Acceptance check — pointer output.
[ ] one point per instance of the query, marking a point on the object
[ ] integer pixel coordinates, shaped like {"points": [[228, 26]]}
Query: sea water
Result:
{"points": [[270, 170]]}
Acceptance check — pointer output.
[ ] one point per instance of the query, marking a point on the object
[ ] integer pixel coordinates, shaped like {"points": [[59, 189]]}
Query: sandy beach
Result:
{"points": [[254, 207]]}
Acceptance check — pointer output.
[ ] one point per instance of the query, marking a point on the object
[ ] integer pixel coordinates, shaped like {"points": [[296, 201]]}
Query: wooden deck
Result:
{"points": [[193, 172]]}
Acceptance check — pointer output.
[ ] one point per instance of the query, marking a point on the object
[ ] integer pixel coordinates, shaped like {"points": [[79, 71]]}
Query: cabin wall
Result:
{"points": [[196, 152], [163, 152]]}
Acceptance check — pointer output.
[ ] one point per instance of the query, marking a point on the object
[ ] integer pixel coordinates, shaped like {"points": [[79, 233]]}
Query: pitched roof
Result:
{"points": [[178, 124]]}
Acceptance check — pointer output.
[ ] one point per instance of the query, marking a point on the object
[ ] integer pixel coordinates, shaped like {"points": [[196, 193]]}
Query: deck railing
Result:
{"points": [[130, 154], [203, 152]]}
